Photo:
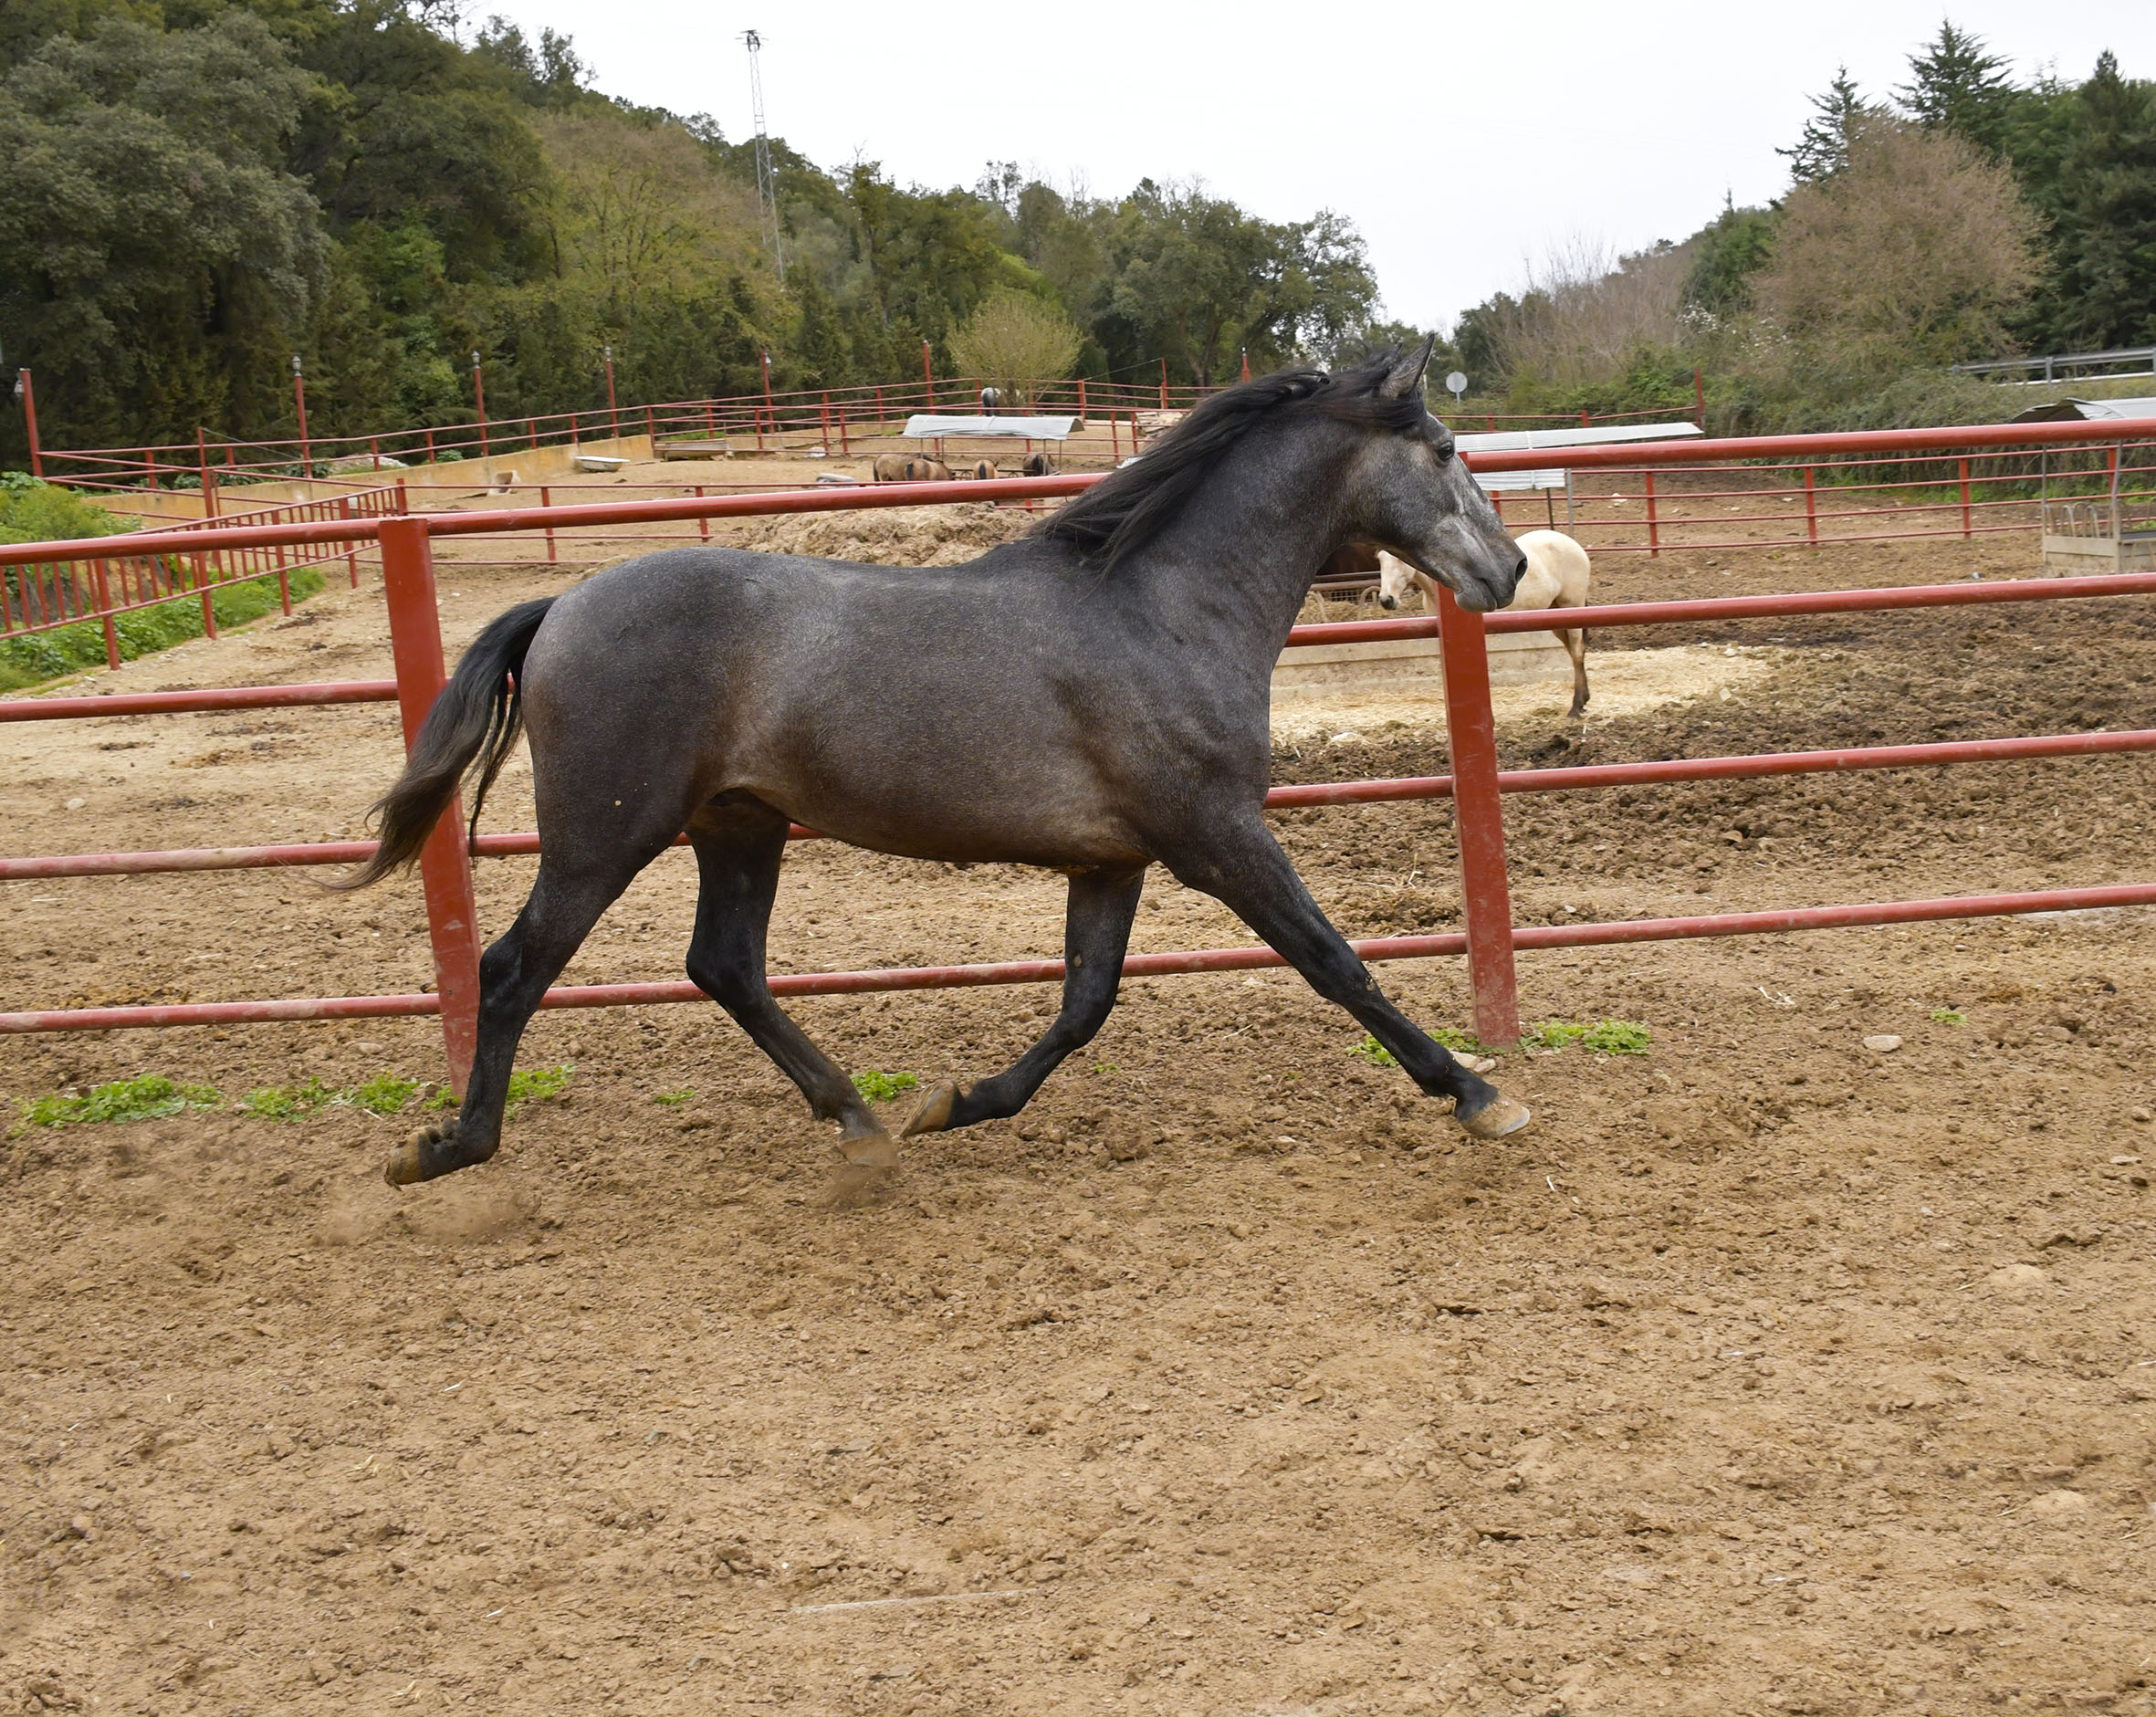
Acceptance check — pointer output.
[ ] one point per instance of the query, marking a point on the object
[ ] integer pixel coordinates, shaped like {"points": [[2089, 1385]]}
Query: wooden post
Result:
{"points": [[1811, 509], [1965, 531], [1654, 538], [1471, 729], [445, 862], [547, 500]]}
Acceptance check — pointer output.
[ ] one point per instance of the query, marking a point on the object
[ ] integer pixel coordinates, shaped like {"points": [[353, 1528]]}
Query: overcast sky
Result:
{"points": [[1462, 141]]}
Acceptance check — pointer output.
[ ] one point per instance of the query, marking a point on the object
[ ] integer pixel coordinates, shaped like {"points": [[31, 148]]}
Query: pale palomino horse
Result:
{"points": [[1557, 576]]}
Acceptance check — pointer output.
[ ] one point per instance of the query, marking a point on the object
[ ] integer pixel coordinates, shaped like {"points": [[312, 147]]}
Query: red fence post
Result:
{"points": [[1965, 532], [480, 398], [1811, 509], [351, 548], [30, 423], [1471, 729], [824, 410], [703, 519], [1654, 536], [1164, 385], [927, 376], [547, 499], [445, 865], [1082, 401], [299, 399]]}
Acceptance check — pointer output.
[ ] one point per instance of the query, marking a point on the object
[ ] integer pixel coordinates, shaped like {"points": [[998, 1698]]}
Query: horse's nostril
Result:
{"points": [[1520, 568]]}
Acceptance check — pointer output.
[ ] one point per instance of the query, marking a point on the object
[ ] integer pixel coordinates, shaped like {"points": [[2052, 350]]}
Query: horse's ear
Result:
{"points": [[1406, 376]]}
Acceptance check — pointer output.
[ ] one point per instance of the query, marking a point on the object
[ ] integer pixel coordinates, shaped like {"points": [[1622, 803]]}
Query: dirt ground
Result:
{"points": [[1767, 1371]]}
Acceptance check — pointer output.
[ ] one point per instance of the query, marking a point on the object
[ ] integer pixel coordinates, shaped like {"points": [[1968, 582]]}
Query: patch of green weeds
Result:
{"points": [[1949, 1016], [881, 1088], [1445, 1036], [288, 1103], [674, 1099], [1105, 1067], [145, 1098], [537, 1084], [1605, 1037], [386, 1094]]}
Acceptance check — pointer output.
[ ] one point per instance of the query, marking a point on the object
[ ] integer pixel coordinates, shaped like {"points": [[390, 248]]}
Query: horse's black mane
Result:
{"points": [[1127, 509]]}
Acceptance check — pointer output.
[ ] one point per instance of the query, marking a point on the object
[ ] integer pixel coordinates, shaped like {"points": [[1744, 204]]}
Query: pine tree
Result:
{"points": [[1957, 84], [2107, 230], [1838, 116]]}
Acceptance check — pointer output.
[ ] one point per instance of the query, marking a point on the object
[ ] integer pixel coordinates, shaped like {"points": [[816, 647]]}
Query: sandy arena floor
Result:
{"points": [[1766, 1373]]}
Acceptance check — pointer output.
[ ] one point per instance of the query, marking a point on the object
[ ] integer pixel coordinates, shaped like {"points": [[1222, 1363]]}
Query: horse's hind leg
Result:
{"points": [[1096, 930], [566, 901], [1576, 647], [1241, 865], [739, 846]]}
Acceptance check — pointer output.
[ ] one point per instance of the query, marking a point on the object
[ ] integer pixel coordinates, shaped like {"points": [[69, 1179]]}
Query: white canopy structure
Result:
{"points": [[935, 426], [1537, 440]]}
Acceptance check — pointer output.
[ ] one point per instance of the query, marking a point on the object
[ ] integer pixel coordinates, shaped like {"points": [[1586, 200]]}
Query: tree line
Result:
{"points": [[1963, 215], [196, 191]]}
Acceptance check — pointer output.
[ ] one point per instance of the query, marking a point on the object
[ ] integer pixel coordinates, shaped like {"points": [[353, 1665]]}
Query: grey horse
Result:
{"points": [[1093, 699]]}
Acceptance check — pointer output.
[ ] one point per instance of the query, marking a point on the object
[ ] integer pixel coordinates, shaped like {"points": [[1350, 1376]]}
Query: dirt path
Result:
{"points": [[1767, 1373]]}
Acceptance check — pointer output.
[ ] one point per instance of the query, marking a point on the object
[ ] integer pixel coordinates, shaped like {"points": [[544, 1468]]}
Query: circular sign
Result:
{"points": [[1456, 384]]}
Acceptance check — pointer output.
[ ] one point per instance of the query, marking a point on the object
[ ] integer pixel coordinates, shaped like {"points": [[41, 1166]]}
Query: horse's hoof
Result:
{"points": [[935, 1114], [409, 1163], [1495, 1118]]}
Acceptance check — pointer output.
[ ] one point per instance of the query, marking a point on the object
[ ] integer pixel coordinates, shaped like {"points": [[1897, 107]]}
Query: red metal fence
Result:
{"points": [[830, 420], [1476, 784], [106, 577]]}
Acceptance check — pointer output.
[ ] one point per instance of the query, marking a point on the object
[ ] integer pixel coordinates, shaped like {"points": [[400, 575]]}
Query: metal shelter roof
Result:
{"points": [[931, 426], [2072, 411]]}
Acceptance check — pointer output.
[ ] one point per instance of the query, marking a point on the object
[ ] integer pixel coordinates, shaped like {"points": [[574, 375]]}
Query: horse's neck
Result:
{"points": [[1239, 557]]}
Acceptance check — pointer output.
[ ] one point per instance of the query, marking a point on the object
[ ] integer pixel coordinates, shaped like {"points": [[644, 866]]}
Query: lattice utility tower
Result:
{"points": [[767, 176]]}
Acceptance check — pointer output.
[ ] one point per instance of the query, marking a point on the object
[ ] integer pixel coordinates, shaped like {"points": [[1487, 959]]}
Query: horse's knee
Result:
{"points": [[728, 985]]}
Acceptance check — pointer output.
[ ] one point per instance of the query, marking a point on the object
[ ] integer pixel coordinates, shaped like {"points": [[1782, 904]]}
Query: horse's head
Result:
{"points": [[1396, 579], [1423, 504]]}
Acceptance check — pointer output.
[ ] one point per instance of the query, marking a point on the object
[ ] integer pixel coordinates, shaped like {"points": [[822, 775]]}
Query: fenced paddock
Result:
{"points": [[1732, 1369]]}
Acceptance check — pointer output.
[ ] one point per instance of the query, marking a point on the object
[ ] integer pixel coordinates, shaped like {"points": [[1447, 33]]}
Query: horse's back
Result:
{"points": [[1558, 575]]}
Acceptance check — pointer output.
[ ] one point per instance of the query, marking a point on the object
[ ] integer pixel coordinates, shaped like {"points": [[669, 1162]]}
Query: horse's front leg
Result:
{"points": [[1096, 931], [1238, 863]]}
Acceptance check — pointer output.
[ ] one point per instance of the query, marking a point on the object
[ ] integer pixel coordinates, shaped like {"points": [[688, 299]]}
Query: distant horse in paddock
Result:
{"points": [[907, 468], [1036, 465], [992, 402], [1091, 698], [980, 470], [1558, 575]]}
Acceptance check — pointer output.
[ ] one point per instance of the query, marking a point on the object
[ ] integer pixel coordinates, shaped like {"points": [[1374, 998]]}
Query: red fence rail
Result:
{"points": [[1488, 938]]}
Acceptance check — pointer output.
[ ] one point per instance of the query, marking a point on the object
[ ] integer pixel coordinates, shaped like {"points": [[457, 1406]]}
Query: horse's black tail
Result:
{"points": [[472, 728]]}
